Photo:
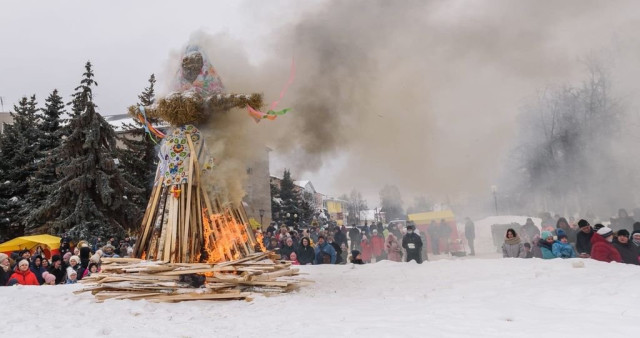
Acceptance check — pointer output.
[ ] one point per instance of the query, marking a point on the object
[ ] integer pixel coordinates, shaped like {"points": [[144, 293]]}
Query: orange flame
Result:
{"points": [[260, 240], [144, 255], [224, 238]]}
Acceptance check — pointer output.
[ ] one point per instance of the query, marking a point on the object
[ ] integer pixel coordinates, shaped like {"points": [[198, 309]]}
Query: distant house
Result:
{"points": [[5, 118]]}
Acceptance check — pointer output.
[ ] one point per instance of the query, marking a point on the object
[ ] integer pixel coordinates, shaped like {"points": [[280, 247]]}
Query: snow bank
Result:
{"points": [[445, 298]]}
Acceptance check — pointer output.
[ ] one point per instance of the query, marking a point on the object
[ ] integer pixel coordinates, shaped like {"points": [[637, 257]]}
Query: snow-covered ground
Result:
{"points": [[465, 297]]}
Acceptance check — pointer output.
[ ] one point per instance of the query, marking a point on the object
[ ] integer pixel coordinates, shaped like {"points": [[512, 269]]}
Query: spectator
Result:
{"points": [[564, 225], [38, 252], [74, 263], [394, 251], [339, 237], [65, 259], [37, 269], [535, 249], [293, 257], [377, 245], [636, 238], [287, 248], [91, 269], [48, 278], [354, 236], [344, 253], [45, 264], [72, 276], [325, 254], [85, 255], [412, 243], [601, 247], [628, 251], [273, 244], [5, 269], [512, 247], [365, 246], [305, 252], [561, 248], [23, 275], [527, 250], [529, 231], [57, 270], [470, 234], [356, 257], [96, 257], [546, 245], [583, 239], [337, 248]]}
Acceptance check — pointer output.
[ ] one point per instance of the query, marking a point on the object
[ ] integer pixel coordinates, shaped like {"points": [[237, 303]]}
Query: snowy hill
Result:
{"points": [[468, 297]]}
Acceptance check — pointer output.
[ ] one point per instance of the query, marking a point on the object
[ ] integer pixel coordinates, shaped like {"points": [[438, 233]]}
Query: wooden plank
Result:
{"points": [[148, 220]]}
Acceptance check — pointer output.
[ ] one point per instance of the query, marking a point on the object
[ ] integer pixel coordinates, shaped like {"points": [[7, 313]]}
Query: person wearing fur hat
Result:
{"points": [[561, 248], [57, 269], [546, 245], [72, 276], [512, 246], [601, 247], [108, 251], [48, 278], [5, 269], [412, 243], [23, 275], [627, 250]]}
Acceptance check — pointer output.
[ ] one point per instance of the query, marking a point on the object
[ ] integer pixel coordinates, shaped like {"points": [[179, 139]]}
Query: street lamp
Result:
{"points": [[494, 190], [261, 211]]}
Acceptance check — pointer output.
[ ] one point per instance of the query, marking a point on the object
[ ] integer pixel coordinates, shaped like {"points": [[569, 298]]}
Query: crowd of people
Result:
{"points": [[339, 245], [570, 240], [74, 262]]}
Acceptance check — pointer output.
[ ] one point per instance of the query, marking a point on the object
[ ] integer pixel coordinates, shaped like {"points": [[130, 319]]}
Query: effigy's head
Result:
{"points": [[197, 74]]}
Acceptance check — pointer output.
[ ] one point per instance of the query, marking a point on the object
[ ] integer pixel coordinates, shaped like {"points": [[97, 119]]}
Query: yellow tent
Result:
{"points": [[427, 217], [30, 242]]}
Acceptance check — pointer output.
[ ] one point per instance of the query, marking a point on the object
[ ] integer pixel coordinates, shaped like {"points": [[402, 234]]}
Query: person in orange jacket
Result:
{"points": [[377, 245], [23, 275]]}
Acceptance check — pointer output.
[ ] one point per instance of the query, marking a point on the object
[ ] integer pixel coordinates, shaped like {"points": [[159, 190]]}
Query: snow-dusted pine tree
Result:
{"points": [[19, 149], [90, 198]]}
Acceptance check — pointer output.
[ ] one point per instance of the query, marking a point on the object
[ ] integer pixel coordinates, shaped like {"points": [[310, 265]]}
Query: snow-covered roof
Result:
{"points": [[120, 121]]}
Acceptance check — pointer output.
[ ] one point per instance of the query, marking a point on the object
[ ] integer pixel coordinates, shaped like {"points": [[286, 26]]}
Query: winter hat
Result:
{"points": [[598, 226], [546, 234], [623, 232], [354, 254], [632, 234], [560, 232], [583, 223], [75, 258], [66, 256], [71, 271], [55, 258], [48, 278], [23, 261], [605, 232]]}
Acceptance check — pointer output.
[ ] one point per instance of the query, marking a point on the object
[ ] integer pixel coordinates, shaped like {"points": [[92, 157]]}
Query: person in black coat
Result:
{"points": [[355, 237], [287, 248], [5, 269], [337, 248], [413, 244], [470, 234], [583, 239], [306, 253], [628, 251], [340, 237], [57, 270]]}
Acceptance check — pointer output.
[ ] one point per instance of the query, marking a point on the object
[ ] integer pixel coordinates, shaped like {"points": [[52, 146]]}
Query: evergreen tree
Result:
{"points": [[276, 206], [290, 199], [138, 158], [19, 147], [90, 198], [47, 160]]}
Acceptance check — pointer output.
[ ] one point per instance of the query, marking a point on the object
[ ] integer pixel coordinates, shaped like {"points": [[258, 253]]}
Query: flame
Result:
{"points": [[260, 240], [224, 238], [144, 255]]}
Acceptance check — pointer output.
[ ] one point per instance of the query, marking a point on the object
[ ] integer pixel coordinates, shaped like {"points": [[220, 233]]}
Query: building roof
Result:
{"points": [[120, 121]]}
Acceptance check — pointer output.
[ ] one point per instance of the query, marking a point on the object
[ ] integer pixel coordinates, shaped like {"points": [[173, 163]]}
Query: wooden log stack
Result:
{"points": [[156, 281]]}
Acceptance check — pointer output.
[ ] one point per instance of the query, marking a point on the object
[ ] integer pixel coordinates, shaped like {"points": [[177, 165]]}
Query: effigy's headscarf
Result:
{"points": [[207, 83]]}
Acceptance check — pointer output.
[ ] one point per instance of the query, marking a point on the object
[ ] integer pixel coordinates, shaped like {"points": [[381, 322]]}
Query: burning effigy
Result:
{"points": [[187, 221]]}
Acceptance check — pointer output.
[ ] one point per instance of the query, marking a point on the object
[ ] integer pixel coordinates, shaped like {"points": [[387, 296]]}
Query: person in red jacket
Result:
{"points": [[601, 247], [365, 245], [23, 275], [377, 245]]}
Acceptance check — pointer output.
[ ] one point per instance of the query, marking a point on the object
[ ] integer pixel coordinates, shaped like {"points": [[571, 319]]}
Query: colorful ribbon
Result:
{"points": [[271, 114], [148, 128]]}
